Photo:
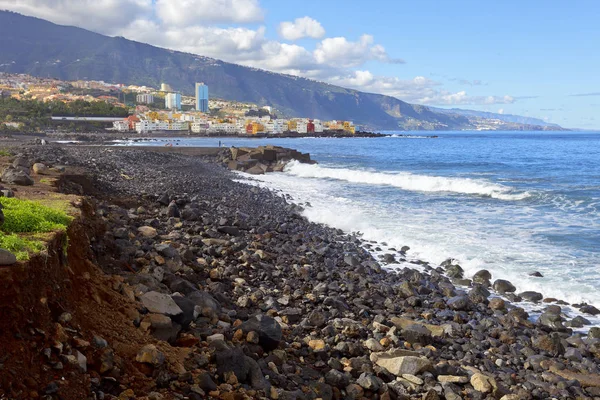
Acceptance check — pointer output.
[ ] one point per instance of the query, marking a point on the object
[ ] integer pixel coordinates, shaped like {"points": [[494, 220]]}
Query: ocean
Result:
{"points": [[509, 202]]}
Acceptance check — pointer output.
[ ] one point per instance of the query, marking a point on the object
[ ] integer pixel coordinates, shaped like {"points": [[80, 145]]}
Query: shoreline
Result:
{"points": [[367, 332], [213, 152], [458, 279]]}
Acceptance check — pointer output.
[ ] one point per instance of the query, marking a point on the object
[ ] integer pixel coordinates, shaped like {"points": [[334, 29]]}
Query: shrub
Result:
{"points": [[25, 216]]}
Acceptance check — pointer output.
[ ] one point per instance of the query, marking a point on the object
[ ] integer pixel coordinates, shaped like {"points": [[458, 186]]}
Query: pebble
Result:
{"points": [[294, 309]]}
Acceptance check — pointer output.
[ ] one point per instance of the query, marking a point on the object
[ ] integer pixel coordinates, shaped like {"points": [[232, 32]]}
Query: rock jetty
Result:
{"points": [[262, 159], [225, 291]]}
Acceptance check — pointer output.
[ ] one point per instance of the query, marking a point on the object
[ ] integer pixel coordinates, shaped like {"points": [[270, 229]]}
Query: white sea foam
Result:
{"points": [[408, 181], [396, 136], [509, 248]]}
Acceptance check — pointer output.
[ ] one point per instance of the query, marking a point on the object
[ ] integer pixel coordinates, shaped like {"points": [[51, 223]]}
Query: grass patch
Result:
{"points": [[21, 216], [26, 222], [20, 246], [5, 153]]}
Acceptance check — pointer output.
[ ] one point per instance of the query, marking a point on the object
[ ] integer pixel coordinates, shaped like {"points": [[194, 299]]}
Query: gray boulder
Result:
{"points": [[503, 286], [269, 331], [455, 271], [205, 302], [173, 210], [256, 170], [459, 303], [594, 333], [188, 308], [531, 296], [245, 368], [588, 309], [39, 169], [337, 379], [551, 319], [7, 258], [21, 162], [479, 294], [417, 333], [483, 277], [15, 176], [232, 360], [160, 303]]}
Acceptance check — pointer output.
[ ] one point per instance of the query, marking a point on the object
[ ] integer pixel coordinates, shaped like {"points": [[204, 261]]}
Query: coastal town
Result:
{"points": [[239, 200], [162, 110]]}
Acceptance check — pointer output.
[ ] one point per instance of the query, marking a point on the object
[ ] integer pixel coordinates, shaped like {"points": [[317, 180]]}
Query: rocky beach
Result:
{"points": [[178, 282]]}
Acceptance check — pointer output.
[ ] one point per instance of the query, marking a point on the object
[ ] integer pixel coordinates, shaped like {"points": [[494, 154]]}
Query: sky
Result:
{"points": [[533, 58]]}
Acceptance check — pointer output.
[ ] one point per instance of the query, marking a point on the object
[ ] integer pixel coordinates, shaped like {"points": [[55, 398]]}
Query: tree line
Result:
{"points": [[34, 115]]}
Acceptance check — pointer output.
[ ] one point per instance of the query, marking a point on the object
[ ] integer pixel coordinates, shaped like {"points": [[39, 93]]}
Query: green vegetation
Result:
{"points": [[26, 221], [5, 153], [19, 246], [35, 115], [30, 216]]}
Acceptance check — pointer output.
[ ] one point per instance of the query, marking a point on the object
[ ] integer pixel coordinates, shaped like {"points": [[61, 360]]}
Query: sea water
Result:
{"points": [[509, 202]]}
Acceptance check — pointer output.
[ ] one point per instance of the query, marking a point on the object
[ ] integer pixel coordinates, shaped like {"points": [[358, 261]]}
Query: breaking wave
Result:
{"points": [[408, 181]]}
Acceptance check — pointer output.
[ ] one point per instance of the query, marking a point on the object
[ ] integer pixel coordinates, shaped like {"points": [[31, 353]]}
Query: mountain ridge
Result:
{"points": [[492, 115], [41, 48]]}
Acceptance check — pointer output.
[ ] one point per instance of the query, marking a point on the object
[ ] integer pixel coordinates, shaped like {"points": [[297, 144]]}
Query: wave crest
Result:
{"points": [[408, 181]]}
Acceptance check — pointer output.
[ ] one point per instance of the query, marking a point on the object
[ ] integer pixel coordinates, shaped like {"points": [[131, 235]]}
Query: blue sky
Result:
{"points": [[534, 58], [539, 52]]}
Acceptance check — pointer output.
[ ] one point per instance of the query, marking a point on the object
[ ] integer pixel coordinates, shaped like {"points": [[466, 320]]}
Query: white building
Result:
{"points": [[145, 126], [318, 126], [200, 126], [173, 101], [224, 128], [178, 126], [121, 126], [240, 126], [145, 98], [276, 127], [187, 117], [302, 126]]}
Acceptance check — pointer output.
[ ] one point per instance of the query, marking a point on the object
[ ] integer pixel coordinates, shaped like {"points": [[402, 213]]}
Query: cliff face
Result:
{"points": [[40, 48]]}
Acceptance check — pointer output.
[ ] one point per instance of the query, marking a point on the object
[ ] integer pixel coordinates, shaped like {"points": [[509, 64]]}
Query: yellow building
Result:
{"points": [[254, 128], [349, 127], [292, 126]]}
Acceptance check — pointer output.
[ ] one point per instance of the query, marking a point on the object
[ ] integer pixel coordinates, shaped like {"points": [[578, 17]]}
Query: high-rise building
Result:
{"points": [[173, 101], [145, 98], [201, 97]]}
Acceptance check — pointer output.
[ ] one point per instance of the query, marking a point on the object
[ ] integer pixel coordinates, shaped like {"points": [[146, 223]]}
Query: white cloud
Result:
{"points": [[191, 12], [301, 28], [239, 45], [501, 111], [420, 90], [104, 16], [251, 47], [344, 53], [189, 25], [462, 98]]}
